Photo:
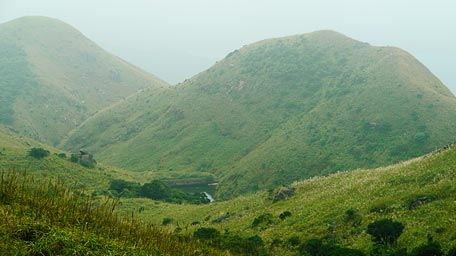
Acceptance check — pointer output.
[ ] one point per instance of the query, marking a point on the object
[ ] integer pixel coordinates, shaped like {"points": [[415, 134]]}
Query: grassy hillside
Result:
{"points": [[280, 110], [53, 78], [14, 155], [419, 193], [45, 218]]}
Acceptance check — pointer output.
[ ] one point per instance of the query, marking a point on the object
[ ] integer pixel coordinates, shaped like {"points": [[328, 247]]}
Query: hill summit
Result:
{"points": [[280, 110], [53, 78]]}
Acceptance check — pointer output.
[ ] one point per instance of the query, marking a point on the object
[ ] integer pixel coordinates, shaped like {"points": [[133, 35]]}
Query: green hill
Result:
{"points": [[53, 78], [14, 155], [277, 111], [419, 193]]}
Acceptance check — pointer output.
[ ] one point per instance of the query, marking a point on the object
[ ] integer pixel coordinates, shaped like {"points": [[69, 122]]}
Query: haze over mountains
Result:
{"points": [[53, 78]]}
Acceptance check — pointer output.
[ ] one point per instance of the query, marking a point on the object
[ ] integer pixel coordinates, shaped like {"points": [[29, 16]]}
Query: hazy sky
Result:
{"points": [[175, 39]]}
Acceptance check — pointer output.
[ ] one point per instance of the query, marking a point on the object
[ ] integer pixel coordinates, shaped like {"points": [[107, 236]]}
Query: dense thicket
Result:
{"points": [[156, 190]]}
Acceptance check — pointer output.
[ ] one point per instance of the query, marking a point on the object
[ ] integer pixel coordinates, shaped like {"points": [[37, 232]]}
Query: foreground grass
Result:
{"points": [[41, 217], [320, 207]]}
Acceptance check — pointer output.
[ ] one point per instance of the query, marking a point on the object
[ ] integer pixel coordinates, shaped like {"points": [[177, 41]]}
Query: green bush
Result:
{"points": [[125, 188], [253, 245], [62, 155], [316, 247], [385, 231], [195, 223], [74, 158], [429, 249], [156, 190], [351, 216], [313, 247], [294, 241], [285, 215], [166, 221], [265, 218], [206, 233], [38, 153]]}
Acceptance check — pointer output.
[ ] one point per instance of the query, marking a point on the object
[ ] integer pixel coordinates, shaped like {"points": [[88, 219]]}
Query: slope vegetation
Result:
{"points": [[53, 78], [418, 193], [280, 110]]}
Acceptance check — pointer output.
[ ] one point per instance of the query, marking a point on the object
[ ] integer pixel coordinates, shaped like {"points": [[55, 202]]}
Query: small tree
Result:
{"points": [[156, 190], [38, 153], [385, 231]]}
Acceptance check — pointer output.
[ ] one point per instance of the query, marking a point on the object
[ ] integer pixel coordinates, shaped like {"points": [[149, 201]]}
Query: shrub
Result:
{"points": [[316, 247], [62, 155], [429, 249], [352, 216], [166, 221], [38, 153], [313, 247], [243, 246], [346, 252], [285, 215], [125, 188], [265, 218], [294, 241], [195, 223], [206, 233], [276, 242], [253, 244], [74, 158], [385, 231], [155, 190]]}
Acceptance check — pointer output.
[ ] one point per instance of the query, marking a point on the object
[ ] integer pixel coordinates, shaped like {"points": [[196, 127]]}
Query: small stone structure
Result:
{"points": [[84, 158]]}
